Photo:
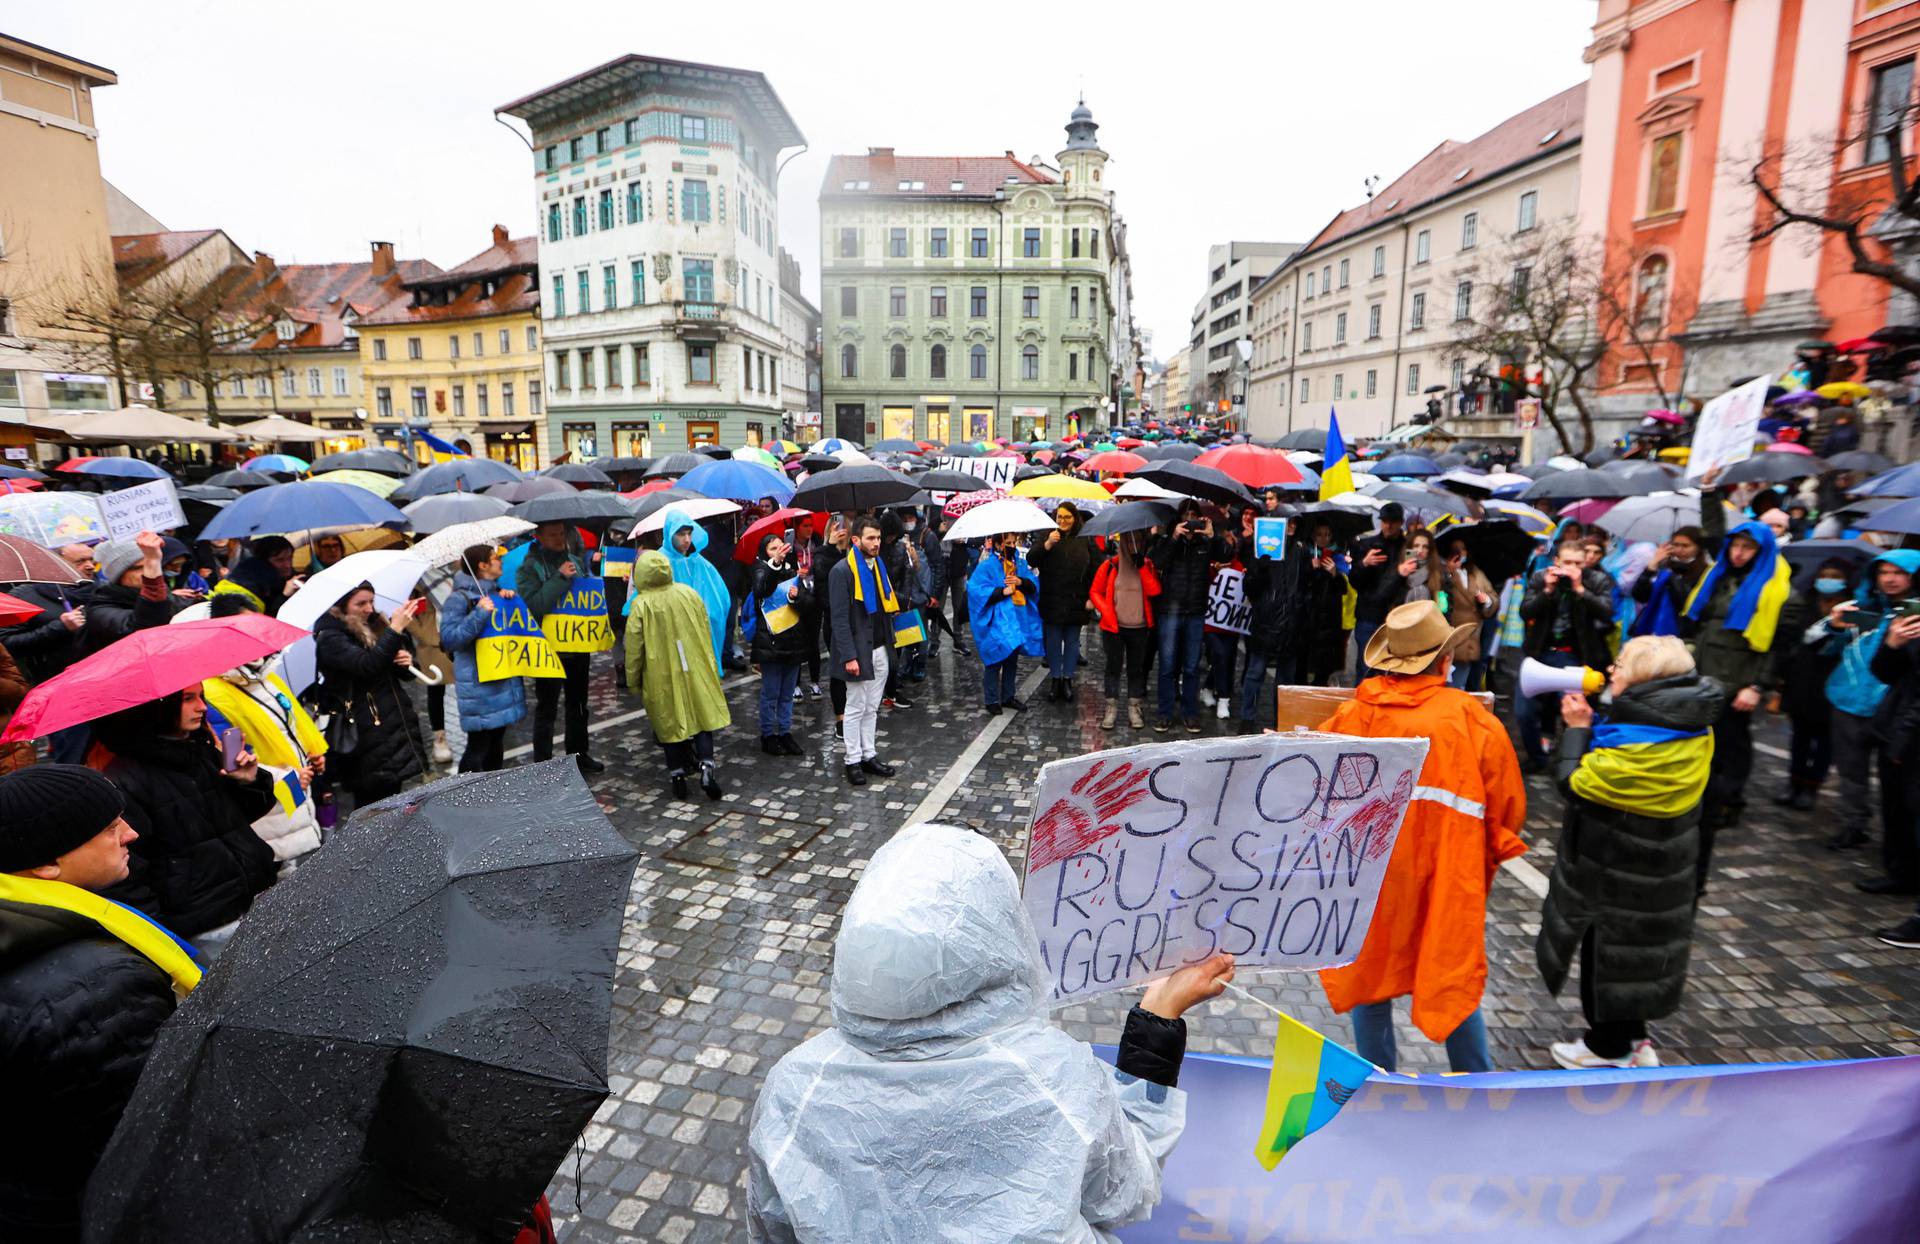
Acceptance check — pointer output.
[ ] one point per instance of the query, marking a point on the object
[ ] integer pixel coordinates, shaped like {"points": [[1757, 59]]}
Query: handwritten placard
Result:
{"points": [[514, 646], [997, 472], [579, 622], [152, 506], [1728, 427], [1271, 847], [1227, 605]]}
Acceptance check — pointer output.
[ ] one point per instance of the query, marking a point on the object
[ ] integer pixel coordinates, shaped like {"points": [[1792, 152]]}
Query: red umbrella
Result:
{"points": [[14, 611], [759, 529], [23, 561], [1252, 465], [1043, 456], [147, 665], [74, 464], [1118, 461], [654, 485], [1129, 442], [19, 485], [1861, 345]]}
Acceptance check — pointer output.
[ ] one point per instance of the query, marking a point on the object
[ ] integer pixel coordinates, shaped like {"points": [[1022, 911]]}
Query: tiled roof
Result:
{"points": [[515, 253], [1451, 167], [882, 172], [517, 293], [136, 257]]}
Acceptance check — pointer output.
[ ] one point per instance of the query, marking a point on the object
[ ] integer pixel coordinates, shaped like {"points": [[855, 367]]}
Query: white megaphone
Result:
{"points": [[1539, 678]]}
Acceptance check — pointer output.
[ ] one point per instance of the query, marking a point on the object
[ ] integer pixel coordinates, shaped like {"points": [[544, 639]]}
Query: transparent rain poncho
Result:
{"points": [[943, 1105]]}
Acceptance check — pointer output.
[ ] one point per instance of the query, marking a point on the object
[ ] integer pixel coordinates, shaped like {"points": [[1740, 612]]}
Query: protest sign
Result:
{"points": [[617, 561], [1227, 606], [1269, 537], [513, 645], [1271, 847], [152, 506], [51, 519], [1728, 427], [579, 622], [997, 472]]}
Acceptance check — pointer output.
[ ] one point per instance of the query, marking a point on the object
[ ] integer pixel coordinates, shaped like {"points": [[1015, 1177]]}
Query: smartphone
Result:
{"points": [[1909, 609], [1864, 619], [232, 743]]}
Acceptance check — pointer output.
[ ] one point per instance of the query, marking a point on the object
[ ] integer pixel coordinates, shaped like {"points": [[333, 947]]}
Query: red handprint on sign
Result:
{"points": [[1087, 813], [1371, 828]]}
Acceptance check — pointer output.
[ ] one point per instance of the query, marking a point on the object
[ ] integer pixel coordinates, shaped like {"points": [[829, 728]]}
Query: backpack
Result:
{"points": [[749, 618]]}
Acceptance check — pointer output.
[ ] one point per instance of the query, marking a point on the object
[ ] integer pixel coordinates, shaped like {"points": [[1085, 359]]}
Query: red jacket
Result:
{"points": [[1102, 591]]}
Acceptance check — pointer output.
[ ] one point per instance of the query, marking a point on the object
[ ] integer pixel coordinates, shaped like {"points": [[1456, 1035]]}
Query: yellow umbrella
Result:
{"points": [[374, 482], [1843, 389], [1061, 486], [353, 541]]}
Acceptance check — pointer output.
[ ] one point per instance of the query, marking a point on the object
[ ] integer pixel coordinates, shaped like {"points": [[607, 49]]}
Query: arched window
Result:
{"points": [[1030, 363], [849, 361], [937, 363], [977, 363], [897, 363], [1650, 293]]}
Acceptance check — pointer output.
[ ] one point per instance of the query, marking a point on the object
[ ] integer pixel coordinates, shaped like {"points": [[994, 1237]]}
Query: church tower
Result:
{"points": [[1083, 164]]}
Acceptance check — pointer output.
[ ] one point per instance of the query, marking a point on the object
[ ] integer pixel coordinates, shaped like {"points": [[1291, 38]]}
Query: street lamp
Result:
{"points": [[1244, 348]]}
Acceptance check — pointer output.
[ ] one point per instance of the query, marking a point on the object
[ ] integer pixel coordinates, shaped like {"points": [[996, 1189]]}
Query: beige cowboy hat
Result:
{"points": [[1411, 637]]}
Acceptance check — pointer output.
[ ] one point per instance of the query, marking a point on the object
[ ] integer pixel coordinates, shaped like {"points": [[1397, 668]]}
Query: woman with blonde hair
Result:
{"points": [[1622, 895]]}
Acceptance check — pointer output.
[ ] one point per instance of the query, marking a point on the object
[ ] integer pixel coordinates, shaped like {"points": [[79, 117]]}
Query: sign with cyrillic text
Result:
{"points": [[579, 622], [513, 645], [1227, 605], [1272, 848]]}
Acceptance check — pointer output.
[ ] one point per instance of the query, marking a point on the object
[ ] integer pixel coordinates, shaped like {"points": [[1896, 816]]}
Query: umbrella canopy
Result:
{"points": [[118, 468], [1252, 465], [276, 462], [997, 517], [276, 428], [1903, 518], [391, 572], [1194, 480], [1902, 481], [697, 509], [956, 506], [309, 505], [8, 471], [1061, 486], [896, 445], [379, 461], [578, 473], [737, 480], [575, 507], [1427, 500], [1806, 556], [14, 611], [785, 449], [1772, 468], [459, 475], [1177, 451], [1789, 447], [961, 449], [753, 453], [1131, 516], [950, 481], [51, 519], [855, 486], [1304, 438], [245, 481], [527, 489], [431, 514], [374, 482], [1860, 460], [748, 546], [1499, 547], [622, 465], [23, 561], [146, 665], [1346, 525], [1033, 471], [1417, 466], [1145, 490], [1579, 485], [1590, 510], [1535, 523], [422, 1016], [443, 547], [139, 425], [1844, 390], [1114, 462], [1654, 518], [713, 451], [834, 444], [676, 464]]}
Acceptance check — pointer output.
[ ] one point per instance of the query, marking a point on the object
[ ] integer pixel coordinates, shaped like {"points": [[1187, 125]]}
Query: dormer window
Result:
{"points": [[284, 329], [956, 186]]}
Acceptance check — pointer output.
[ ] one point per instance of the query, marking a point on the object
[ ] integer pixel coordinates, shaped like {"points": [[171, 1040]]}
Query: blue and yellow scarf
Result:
{"points": [[139, 933], [1647, 770], [1755, 609], [871, 587]]}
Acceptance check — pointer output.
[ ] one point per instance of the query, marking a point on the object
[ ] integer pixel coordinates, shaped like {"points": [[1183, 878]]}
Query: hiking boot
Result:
{"points": [[590, 766], [1109, 716], [1053, 691], [1163, 725], [679, 786], [1135, 717], [1017, 704], [789, 746], [709, 783], [1193, 725], [770, 744], [991, 710]]}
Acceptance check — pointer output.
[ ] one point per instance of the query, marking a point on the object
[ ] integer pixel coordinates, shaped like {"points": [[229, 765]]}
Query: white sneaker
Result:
{"points": [[1575, 1056], [1206, 696], [1223, 710], [442, 754], [1644, 1055], [798, 695]]}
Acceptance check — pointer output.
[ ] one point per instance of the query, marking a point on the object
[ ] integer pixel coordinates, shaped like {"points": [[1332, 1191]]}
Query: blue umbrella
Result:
{"points": [[736, 479], [303, 506], [459, 475], [1902, 519], [833, 444], [1900, 482], [122, 468], [1413, 465], [275, 462]]}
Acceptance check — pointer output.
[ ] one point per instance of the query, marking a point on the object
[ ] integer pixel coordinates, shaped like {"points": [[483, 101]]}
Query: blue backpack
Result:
{"points": [[749, 618]]}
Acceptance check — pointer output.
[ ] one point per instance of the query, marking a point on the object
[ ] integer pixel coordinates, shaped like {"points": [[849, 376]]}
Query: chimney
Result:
{"points": [[499, 235], [880, 153], [382, 259], [262, 262]]}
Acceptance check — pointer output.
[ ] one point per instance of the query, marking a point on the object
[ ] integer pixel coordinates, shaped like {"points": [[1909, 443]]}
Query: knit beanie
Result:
{"points": [[48, 810], [116, 557]]}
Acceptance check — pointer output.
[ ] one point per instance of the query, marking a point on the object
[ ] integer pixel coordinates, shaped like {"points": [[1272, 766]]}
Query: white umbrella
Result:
{"points": [[850, 455], [695, 508], [443, 547], [1146, 490], [392, 572], [1355, 501], [134, 424], [276, 428], [998, 517]]}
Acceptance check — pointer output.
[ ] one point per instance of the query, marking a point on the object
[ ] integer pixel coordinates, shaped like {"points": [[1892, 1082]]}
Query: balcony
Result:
{"points": [[698, 310]]}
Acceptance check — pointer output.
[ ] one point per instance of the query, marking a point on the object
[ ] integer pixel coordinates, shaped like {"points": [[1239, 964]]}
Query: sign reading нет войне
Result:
{"points": [[1273, 848]]}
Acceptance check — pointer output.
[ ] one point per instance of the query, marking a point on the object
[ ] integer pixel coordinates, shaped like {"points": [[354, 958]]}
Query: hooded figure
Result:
{"points": [[941, 1105], [671, 662], [694, 570], [1004, 624]]}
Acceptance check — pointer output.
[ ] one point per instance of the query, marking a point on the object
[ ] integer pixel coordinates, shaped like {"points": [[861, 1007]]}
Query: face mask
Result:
{"points": [[1829, 587]]}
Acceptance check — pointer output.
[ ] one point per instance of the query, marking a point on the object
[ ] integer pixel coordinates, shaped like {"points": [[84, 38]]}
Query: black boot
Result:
{"points": [[790, 746], [1053, 690], [679, 786], [855, 777], [877, 767], [708, 783], [770, 744]]}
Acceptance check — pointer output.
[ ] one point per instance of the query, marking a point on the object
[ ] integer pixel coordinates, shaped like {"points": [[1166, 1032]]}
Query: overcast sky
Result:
{"points": [[307, 132]]}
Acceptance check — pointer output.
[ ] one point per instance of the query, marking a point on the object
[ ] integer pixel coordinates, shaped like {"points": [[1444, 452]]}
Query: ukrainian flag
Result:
{"points": [[443, 451], [1649, 770], [1336, 469], [1312, 1078]]}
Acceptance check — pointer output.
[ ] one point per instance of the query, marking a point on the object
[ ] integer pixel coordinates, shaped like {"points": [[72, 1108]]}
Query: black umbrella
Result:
{"points": [[578, 473], [713, 451], [1033, 472], [1644, 476], [1860, 460], [960, 449], [1538, 470], [1304, 438], [1425, 498], [1600, 456], [815, 463], [527, 489], [895, 445], [1499, 547], [1180, 451], [210, 494], [1206, 483], [1130, 516], [922, 497], [1345, 524], [379, 461], [419, 1013], [1580, 485], [242, 480], [950, 481], [675, 465], [1435, 388], [653, 502], [459, 475], [1806, 556], [852, 486], [574, 507], [1772, 467], [1896, 334]]}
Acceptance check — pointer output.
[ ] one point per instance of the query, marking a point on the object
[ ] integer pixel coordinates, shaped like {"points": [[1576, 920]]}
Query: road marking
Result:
{"points": [[1768, 749], [962, 767], [1527, 875], [594, 727]]}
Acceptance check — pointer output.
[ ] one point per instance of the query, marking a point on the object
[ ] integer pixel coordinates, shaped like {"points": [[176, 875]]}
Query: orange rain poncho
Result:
{"points": [[1428, 936]]}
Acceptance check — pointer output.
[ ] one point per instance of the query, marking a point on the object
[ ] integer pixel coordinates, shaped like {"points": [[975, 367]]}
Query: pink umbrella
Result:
{"points": [[964, 501], [147, 665], [1665, 416], [1788, 447], [1584, 512]]}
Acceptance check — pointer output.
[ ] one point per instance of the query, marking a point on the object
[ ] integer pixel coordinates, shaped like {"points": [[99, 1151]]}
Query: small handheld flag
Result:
{"points": [[1312, 1078], [1336, 470]]}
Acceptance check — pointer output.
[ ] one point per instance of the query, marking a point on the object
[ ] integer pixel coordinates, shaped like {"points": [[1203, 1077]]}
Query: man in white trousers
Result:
{"points": [[860, 608]]}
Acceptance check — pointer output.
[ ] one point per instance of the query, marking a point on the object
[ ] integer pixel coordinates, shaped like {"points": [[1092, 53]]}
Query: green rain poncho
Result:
{"points": [[669, 655]]}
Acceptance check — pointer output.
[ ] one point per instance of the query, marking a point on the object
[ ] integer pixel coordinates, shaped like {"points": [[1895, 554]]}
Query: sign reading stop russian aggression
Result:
{"points": [[579, 622], [513, 645], [1272, 848]]}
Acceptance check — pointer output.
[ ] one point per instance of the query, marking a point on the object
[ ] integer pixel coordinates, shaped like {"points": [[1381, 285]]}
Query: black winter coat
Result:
{"points": [[1277, 590], [1591, 619], [1630, 878], [1380, 589], [78, 1013], [115, 612], [1066, 576], [197, 863], [1897, 720], [366, 682], [43, 646], [1185, 564], [799, 641]]}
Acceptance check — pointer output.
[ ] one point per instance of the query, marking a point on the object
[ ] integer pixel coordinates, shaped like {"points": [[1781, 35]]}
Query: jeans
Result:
{"points": [[1363, 629], [1127, 652], [1286, 672], [1061, 642], [777, 681], [1812, 752], [1899, 820], [1181, 635], [863, 711], [1223, 650], [1373, 1039], [1854, 744], [1533, 716], [1000, 682], [485, 751], [688, 754], [546, 706]]}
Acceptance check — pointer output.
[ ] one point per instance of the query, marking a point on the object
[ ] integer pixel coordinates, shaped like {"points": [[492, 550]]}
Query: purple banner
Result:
{"points": [[1787, 1151]]}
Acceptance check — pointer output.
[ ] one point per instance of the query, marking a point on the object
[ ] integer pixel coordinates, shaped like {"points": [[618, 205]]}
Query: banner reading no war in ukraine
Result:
{"points": [[579, 622], [513, 645]]}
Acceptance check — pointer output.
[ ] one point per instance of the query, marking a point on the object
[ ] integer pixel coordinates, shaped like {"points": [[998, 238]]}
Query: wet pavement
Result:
{"points": [[728, 949]]}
